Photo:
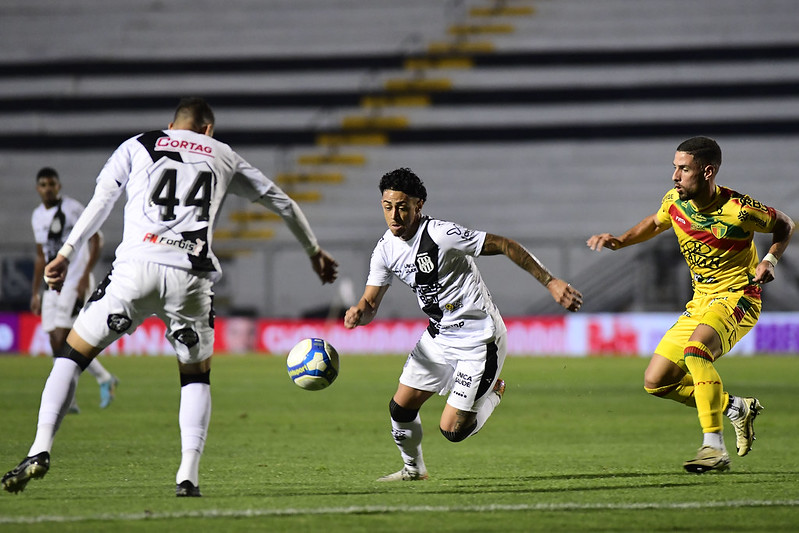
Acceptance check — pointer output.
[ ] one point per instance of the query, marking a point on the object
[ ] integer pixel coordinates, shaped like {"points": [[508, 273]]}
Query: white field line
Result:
{"points": [[387, 509]]}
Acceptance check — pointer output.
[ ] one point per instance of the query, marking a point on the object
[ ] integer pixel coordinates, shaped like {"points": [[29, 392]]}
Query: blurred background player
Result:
{"points": [[175, 182], [715, 227], [52, 221], [463, 349]]}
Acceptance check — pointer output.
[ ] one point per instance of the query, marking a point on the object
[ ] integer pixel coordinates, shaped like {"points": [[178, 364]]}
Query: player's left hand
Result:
{"points": [[567, 296], [56, 271], [764, 272], [325, 266]]}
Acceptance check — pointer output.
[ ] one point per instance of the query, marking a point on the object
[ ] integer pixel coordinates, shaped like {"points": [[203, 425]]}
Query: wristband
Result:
{"points": [[771, 258], [66, 251]]}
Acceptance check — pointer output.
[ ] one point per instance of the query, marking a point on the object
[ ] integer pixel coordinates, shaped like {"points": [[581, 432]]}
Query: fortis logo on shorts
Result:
{"points": [[191, 248]]}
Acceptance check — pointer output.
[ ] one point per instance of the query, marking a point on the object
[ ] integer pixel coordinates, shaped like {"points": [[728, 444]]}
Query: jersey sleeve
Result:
{"points": [[110, 184], [251, 183], [453, 236], [757, 216], [663, 215], [379, 272]]}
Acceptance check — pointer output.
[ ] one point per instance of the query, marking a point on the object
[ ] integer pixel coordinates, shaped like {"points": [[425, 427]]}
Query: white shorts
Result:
{"points": [[466, 373], [134, 291], [60, 309]]}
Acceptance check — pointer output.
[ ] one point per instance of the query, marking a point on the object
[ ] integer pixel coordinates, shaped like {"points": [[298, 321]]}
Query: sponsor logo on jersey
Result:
{"points": [[453, 306], [168, 144], [194, 248]]}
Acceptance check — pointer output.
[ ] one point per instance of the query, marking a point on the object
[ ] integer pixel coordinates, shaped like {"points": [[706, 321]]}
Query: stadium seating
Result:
{"points": [[544, 121]]}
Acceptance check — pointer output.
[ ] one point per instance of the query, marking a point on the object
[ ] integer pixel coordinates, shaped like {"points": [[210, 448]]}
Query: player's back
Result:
{"points": [[175, 181]]}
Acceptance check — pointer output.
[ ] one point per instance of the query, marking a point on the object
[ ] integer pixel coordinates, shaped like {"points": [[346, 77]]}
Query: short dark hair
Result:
{"points": [[47, 172], [196, 110], [705, 150], [403, 180]]}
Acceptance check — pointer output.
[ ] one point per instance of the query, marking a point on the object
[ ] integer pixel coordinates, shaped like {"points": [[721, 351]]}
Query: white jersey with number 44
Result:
{"points": [[175, 182]]}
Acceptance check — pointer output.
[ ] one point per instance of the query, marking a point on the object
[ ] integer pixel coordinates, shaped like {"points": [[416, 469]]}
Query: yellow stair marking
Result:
{"points": [[305, 196], [294, 178], [480, 29], [244, 234], [361, 122], [474, 47], [332, 159], [335, 139], [254, 216], [420, 63], [437, 84], [419, 100]]}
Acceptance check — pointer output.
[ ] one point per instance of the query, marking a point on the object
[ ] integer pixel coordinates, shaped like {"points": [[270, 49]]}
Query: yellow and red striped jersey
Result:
{"points": [[717, 242]]}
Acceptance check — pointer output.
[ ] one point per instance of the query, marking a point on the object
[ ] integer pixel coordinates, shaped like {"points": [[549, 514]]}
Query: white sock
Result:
{"points": [[490, 403], [408, 437], [735, 408], [58, 394], [195, 414], [714, 439], [99, 372]]}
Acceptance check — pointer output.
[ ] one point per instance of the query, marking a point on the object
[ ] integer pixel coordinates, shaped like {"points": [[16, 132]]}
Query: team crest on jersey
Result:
{"points": [[719, 230], [425, 263]]}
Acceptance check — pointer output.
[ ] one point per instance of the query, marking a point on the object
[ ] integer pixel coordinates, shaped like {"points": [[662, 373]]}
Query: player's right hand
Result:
{"points": [[55, 272], [603, 240], [352, 317]]}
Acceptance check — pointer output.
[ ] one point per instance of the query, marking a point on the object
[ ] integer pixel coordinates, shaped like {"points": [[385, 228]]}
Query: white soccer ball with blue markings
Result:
{"points": [[312, 364]]}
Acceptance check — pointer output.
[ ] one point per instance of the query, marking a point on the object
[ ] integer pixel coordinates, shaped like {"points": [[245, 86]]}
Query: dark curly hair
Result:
{"points": [[403, 180], [705, 150]]}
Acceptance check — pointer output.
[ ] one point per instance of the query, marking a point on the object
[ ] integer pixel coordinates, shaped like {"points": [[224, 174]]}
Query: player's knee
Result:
{"points": [[202, 377], [401, 414], [68, 352], [659, 391], [459, 435]]}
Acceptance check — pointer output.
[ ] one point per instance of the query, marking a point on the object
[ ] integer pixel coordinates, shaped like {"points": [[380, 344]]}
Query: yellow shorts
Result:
{"points": [[730, 314]]}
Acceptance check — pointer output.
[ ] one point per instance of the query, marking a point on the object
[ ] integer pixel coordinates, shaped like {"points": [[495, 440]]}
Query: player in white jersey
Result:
{"points": [[52, 221], [462, 351], [175, 181]]}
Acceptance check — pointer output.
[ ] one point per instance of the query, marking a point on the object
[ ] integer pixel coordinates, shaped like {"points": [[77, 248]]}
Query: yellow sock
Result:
{"points": [[708, 389]]}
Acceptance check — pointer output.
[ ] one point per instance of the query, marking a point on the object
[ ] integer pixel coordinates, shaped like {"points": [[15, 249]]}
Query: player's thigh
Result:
{"points": [[127, 296], [189, 316], [672, 344], [731, 315], [60, 309], [426, 368], [476, 370]]}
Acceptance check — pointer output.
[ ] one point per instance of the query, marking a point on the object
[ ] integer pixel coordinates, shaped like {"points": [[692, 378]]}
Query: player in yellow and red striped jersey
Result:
{"points": [[715, 227]]}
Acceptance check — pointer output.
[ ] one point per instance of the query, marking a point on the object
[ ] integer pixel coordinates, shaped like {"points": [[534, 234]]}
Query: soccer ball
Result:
{"points": [[312, 364]]}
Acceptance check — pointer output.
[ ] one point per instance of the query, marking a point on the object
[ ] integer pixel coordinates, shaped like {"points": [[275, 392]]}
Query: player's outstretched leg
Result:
{"points": [[406, 428], [33, 467], [489, 404], [742, 413]]}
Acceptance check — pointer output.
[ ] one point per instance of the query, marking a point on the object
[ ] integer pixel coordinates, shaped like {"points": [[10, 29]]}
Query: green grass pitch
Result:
{"points": [[576, 445]]}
